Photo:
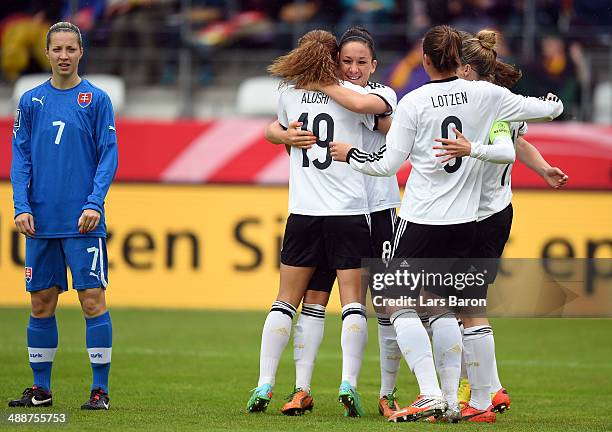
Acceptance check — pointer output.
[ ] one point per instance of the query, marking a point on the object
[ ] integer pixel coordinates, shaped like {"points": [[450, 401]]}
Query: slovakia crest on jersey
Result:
{"points": [[84, 99], [28, 274]]}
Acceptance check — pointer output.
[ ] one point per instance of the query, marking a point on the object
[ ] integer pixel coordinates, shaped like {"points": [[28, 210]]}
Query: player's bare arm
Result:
{"points": [[294, 136], [356, 102], [25, 224], [534, 160], [384, 124]]}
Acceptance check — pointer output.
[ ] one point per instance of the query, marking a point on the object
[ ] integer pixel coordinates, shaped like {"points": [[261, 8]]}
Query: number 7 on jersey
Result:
{"points": [[60, 131]]}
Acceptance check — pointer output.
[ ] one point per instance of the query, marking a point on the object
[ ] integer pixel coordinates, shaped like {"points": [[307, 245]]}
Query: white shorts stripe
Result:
{"points": [[101, 255], [99, 355], [401, 226], [41, 355]]}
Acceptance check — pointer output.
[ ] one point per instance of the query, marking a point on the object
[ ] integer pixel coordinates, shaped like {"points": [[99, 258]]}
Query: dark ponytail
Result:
{"points": [[506, 75], [479, 52]]}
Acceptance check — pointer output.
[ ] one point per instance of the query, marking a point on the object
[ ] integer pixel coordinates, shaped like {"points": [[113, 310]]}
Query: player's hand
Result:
{"points": [[339, 150], [299, 138], [555, 177], [453, 148], [88, 221], [25, 224]]}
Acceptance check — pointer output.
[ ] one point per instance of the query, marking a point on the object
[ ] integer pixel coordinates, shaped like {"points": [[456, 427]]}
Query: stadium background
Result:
{"points": [[197, 211]]}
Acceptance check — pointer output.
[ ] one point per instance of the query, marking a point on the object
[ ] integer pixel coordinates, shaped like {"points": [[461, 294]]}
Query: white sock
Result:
{"points": [[463, 369], [390, 355], [495, 383], [447, 347], [353, 340], [307, 337], [416, 349], [425, 321], [479, 354], [274, 338]]}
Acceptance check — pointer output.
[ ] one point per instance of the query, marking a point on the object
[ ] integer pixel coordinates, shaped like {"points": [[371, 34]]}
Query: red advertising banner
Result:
{"points": [[235, 151]]}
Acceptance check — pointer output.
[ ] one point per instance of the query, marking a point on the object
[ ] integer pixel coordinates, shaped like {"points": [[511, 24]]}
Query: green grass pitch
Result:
{"points": [[192, 370]]}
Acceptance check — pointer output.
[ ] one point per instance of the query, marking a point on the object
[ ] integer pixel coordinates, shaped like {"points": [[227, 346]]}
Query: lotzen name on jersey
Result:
{"points": [[450, 99], [315, 97]]}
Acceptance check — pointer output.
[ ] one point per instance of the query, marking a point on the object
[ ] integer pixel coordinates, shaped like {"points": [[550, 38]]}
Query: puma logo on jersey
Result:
{"points": [[41, 101], [97, 276], [112, 128]]}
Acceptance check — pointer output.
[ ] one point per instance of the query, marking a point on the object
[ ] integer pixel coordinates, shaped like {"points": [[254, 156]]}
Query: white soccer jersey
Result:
{"points": [[445, 194], [319, 186], [383, 192], [496, 191]]}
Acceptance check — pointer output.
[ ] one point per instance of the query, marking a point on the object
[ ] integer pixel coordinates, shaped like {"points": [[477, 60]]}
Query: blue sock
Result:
{"points": [[42, 346], [99, 337]]}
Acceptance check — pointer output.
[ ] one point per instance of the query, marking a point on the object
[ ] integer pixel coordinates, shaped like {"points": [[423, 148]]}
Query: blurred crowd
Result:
{"points": [[561, 29]]}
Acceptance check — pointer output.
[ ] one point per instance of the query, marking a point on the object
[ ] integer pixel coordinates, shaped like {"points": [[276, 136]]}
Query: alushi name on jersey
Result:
{"points": [[315, 97]]}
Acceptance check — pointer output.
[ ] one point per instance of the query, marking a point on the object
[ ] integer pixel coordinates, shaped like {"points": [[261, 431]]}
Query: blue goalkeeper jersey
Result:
{"points": [[64, 157]]}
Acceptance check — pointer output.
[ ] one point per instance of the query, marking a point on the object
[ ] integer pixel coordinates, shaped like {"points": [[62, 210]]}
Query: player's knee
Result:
{"points": [[395, 313], [43, 303], [92, 303], [316, 297], [445, 318], [471, 321], [41, 309], [91, 307]]}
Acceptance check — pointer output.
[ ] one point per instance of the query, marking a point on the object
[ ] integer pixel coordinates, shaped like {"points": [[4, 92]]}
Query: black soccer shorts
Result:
{"points": [[335, 242], [382, 228], [492, 234], [450, 244]]}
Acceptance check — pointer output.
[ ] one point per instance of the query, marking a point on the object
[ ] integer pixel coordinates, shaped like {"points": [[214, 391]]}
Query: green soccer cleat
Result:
{"points": [[260, 398], [351, 401]]}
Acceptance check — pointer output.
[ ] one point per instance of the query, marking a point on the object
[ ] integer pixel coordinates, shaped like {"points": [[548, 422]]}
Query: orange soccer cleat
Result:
{"points": [[298, 403], [422, 407], [482, 416], [387, 405], [500, 401]]}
